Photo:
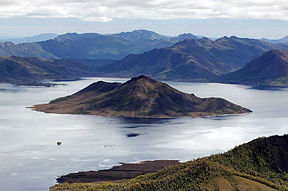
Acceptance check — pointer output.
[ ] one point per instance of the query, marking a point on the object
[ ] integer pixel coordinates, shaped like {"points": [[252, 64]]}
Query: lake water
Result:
{"points": [[30, 160]]}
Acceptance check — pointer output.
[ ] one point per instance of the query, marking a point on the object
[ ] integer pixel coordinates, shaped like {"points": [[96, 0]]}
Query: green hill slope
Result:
{"points": [[260, 165]]}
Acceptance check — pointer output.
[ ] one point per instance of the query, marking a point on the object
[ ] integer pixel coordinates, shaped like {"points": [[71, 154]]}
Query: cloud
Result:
{"points": [[107, 10]]}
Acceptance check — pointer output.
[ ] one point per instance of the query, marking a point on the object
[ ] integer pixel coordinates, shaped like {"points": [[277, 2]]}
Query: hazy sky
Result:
{"points": [[213, 18]]}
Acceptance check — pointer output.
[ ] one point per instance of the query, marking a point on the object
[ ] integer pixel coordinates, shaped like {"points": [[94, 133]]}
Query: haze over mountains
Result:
{"points": [[36, 38], [92, 45], [283, 40], [185, 57], [104, 46], [191, 59]]}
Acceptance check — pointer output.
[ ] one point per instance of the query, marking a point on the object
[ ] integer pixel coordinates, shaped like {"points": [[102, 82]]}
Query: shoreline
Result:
{"points": [[119, 172]]}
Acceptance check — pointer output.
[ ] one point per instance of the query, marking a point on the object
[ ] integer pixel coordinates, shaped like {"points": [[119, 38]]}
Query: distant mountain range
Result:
{"points": [[283, 40], [92, 45], [36, 38], [191, 59], [140, 97], [32, 71], [267, 70], [185, 57]]}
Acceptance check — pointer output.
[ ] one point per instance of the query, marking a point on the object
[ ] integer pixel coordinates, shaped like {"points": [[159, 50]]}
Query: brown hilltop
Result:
{"points": [[139, 97]]}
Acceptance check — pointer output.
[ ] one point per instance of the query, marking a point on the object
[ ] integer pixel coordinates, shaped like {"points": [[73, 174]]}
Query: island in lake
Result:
{"points": [[140, 97]]}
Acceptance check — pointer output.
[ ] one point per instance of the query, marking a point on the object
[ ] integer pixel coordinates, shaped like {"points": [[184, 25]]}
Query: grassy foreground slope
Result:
{"points": [[260, 165]]}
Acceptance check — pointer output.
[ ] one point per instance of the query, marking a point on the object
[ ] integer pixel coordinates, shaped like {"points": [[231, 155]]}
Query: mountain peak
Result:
{"points": [[143, 31], [267, 70], [140, 35], [141, 85], [273, 57], [184, 36], [142, 77], [194, 44]]}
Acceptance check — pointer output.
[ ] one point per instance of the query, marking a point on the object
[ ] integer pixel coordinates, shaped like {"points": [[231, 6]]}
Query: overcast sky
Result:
{"points": [[269, 18]]}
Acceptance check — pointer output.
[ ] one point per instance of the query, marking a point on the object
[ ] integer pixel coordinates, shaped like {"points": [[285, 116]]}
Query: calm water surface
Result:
{"points": [[30, 159]]}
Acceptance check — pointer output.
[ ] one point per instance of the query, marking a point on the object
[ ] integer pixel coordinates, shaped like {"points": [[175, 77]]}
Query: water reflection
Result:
{"points": [[133, 135], [30, 158], [143, 120]]}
